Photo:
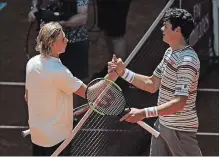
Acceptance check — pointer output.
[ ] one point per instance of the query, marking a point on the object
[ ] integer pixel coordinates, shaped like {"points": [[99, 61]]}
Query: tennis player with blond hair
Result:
{"points": [[49, 88]]}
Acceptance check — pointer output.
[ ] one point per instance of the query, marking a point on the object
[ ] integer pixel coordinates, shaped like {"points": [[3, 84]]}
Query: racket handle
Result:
{"points": [[148, 128], [25, 132]]}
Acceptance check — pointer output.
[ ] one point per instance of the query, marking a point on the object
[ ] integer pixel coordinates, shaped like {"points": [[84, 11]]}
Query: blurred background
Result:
{"points": [[17, 41]]}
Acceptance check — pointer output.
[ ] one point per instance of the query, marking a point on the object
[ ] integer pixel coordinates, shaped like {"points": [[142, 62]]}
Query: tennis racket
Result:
{"points": [[112, 103], [76, 112]]}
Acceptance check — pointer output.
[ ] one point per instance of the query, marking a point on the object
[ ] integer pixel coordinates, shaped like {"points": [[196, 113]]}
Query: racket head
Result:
{"points": [[105, 97]]}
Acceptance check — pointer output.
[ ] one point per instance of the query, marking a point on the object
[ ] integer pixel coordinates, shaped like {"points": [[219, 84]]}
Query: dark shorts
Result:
{"points": [[76, 58], [112, 16], [48, 151]]}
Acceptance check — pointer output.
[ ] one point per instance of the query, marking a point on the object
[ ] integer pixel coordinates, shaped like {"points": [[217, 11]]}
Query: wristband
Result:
{"points": [[151, 112], [128, 75]]}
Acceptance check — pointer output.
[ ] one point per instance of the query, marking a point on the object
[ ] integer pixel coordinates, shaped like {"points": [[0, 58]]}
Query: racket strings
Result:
{"points": [[112, 101]]}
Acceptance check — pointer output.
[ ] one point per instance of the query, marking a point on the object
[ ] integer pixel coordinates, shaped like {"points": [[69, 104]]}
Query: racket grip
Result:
{"points": [[148, 128], [25, 132]]}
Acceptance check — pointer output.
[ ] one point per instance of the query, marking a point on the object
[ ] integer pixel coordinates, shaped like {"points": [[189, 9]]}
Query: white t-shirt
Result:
{"points": [[50, 87]]}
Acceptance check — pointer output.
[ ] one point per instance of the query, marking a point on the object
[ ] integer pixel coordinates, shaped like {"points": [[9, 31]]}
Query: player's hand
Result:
{"points": [[31, 16], [116, 65], [134, 115], [111, 72]]}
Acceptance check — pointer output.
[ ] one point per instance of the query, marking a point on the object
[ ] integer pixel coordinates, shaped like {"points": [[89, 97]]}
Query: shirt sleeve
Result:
{"points": [[26, 77], [159, 69], [67, 82], [82, 3], [187, 70]]}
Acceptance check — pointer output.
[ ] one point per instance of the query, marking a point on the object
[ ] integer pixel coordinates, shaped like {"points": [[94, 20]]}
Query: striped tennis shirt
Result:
{"points": [[179, 74]]}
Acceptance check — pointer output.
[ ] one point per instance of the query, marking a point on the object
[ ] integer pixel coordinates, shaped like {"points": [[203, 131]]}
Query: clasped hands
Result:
{"points": [[117, 67]]}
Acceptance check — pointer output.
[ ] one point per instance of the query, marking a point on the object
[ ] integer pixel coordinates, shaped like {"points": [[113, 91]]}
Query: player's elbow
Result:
{"points": [[154, 84], [153, 90], [180, 102], [180, 107]]}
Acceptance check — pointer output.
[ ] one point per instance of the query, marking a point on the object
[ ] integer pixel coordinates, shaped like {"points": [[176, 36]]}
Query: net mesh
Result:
{"points": [[101, 136]]}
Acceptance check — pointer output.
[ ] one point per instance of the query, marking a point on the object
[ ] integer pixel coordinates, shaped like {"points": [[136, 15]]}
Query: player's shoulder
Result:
{"points": [[188, 53], [189, 57], [33, 60], [188, 50], [61, 69]]}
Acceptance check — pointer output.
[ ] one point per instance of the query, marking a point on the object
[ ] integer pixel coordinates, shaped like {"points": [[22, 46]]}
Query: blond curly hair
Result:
{"points": [[47, 36]]}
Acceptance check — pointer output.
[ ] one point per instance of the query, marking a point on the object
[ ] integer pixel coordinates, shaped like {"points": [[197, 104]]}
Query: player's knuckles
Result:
{"points": [[109, 70], [130, 120], [127, 116], [127, 109], [110, 63], [124, 117], [119, 60]]}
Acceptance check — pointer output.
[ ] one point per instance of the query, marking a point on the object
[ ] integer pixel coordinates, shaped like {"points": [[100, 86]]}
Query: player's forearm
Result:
{"points": [[76, 20], [170, 107], [143, 82], [140, 81]]}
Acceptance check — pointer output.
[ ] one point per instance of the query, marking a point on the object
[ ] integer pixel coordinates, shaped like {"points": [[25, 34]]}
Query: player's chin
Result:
{"points": [[165, 40], [63, 50]]}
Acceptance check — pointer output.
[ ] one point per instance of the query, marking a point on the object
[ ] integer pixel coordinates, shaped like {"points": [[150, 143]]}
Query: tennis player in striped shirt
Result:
{"points": [[176, 77]]}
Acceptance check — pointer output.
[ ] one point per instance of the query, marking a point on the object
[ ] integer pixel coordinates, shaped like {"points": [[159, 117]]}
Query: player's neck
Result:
{"points": [[178, 44], [55, 55]]}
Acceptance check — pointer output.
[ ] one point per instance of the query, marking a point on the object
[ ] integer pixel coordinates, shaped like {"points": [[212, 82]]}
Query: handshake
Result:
{"points": [[116, 67]]}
